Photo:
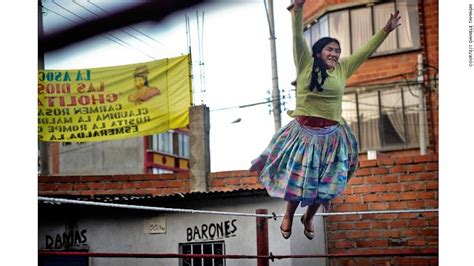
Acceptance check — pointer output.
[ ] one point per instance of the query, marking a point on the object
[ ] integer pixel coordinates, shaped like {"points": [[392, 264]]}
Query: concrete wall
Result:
{"points": [[128, 156], [119, 230], [102, 158], [199, 148]]}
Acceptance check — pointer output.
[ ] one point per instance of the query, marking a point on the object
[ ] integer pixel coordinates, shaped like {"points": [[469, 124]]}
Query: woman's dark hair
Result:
{"points": [[318, 64]]}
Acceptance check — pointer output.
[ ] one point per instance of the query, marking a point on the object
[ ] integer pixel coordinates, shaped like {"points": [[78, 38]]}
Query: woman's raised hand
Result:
{"points": [[299, 3], [393, 22]]}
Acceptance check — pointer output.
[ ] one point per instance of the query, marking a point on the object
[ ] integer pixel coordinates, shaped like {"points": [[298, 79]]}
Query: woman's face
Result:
{"points": [[330, 55], [139, 82]]}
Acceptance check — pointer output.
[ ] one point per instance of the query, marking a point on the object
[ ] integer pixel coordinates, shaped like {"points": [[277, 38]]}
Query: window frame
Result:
{"points": [[179, 147], [201, 244], [308, 28], [402, 87]]}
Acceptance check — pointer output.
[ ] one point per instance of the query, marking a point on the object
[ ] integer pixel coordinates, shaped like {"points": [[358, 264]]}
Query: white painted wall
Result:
{"points": [[115, 230]]}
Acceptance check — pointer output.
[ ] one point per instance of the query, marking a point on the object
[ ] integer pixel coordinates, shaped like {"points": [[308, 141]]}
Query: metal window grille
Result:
{"points": [[216, 248]]}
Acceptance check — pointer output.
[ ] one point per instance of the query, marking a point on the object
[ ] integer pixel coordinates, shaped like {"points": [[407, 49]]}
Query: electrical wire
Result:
{"points": [[131, 27], [109, 34], [90, 11], [121, 30], [102, 35], [269, 100], [271, 30]]}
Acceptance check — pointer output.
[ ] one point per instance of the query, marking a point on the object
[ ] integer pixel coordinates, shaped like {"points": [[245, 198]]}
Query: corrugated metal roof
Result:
{"points": [[171, 197]]}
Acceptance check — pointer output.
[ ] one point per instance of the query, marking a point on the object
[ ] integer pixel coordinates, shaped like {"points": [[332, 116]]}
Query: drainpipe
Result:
{"points": [[426, 81], [422, 114]]}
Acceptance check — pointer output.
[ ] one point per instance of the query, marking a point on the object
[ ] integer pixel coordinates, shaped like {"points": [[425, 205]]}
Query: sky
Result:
{"points": [[237, 55], [232, 41]]}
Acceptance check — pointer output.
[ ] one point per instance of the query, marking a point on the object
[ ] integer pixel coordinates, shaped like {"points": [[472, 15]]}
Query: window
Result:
{"points": [[157, 171], [162, 142], [202, 248], [339, 29], [171, 142], [183, 149], [385, 119], [317, 30], [168, 152], [353, 27]]}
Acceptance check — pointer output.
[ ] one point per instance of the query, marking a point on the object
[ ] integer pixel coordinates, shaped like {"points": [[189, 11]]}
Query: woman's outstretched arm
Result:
{"points": [[352, 63]]}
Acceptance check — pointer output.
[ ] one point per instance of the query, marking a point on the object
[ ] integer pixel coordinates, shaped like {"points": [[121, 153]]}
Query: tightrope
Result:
{"points": [[273, 215]]}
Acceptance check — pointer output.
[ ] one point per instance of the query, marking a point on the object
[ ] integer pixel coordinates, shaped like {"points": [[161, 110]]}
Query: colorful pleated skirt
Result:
{"points": [[306, 164]]}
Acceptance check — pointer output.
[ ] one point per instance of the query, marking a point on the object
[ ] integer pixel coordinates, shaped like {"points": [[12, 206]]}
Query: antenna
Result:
{"points": [[200, 53], [203, 76], [189, 43], [200, 33]]}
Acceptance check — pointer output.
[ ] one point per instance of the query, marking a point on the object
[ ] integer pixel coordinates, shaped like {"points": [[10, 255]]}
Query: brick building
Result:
{"points": [[392, 105], [399, 178]]}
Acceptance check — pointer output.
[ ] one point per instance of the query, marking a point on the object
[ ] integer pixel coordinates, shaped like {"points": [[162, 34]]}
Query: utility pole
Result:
{"points": [[275, 90], [43, 146]]}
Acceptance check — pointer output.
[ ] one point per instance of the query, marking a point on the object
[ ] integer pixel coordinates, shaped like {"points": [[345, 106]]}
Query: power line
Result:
{"points": [[74, 1], [103, 35], [403, 75], [133, 36], [269, 100], [290, 96], [119, 39], [133, 28]]}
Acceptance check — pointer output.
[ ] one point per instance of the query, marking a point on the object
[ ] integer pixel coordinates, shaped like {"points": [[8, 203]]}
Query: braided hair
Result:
{"points": [[319, 70]]}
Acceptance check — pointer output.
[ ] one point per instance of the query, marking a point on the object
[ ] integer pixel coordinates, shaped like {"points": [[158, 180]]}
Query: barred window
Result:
{"points": [[385, 119], [354, 26], [216, 248]]}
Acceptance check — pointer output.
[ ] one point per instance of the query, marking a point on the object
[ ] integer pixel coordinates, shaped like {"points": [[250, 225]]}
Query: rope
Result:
{"points": [[216, 256], [273, 215]]}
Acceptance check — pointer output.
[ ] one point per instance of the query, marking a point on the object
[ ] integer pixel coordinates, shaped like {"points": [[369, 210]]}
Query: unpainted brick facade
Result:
{"points": [[396, 180]]}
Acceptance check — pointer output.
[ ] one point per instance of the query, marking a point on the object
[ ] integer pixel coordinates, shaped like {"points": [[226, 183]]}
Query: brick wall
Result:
{"points": [[389, 183], [314, 8], [429, 23], [149, 184], [398, 67], [384, 69], [233, 180], [164, 184], [399, 183]]}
